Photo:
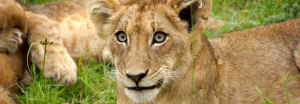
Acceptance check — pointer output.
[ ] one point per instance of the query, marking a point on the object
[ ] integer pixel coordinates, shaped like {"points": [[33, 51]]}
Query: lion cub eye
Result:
{"points": [[159, 37], [121, 36]]}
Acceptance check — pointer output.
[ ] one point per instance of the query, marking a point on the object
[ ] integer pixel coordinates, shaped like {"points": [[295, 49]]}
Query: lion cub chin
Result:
{"points": [[141, 96]]}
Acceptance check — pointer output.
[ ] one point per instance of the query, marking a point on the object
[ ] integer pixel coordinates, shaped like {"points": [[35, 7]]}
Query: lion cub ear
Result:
{"points": [[199, 10], [100, 11]]}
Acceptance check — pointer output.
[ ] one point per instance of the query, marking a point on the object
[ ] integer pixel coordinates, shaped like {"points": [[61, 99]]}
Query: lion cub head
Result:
{"points": [[150, 40]]}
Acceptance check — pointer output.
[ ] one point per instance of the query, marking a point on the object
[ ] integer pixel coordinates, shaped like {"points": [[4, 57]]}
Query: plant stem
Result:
{"points": [[44, 58], [287, 92], [193, 54]]}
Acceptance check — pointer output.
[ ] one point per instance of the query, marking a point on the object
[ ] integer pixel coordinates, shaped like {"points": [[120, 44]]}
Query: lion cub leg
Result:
{"points": [[59, 66], [10, 39], [6, 96]]}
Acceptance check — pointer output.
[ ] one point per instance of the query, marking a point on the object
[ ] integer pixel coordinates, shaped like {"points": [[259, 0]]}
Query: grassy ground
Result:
{"points": [[96, 81], [245, 14]]}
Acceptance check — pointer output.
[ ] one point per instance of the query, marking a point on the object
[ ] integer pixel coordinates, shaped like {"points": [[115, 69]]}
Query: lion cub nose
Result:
{"points": [[137, 78]]}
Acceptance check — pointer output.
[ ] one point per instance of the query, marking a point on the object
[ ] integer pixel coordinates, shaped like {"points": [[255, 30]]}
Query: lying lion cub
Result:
{"points": [[12, 52], [159, 53]]}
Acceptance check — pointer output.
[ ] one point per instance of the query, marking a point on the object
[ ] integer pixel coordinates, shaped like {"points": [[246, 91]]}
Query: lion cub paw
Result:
{"points": [[10, 39], [59, 66], [61, 73]]}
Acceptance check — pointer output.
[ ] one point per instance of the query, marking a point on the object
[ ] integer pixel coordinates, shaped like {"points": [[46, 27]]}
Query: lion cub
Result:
{"points": [[160, 54], [13, 29], [12, 65], [58, 63]]}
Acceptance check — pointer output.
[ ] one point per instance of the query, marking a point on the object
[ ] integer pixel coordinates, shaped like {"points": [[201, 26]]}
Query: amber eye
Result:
{"points": [[159, 37], [121, 36]]}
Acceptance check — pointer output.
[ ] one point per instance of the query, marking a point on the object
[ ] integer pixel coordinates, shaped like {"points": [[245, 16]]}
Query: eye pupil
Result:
{"points": [[121, 36], [159, 37]]}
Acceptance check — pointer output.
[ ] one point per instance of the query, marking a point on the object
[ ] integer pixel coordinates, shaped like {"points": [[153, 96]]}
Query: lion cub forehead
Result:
{"points": [[150, 20], [144, 3]]}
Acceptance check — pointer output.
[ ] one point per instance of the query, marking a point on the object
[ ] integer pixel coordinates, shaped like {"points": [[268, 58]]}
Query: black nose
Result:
{"points": [[137, 78]]}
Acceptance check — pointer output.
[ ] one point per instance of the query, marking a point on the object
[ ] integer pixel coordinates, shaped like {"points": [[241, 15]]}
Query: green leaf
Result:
{"points": [[267, 101], [261, 19]]}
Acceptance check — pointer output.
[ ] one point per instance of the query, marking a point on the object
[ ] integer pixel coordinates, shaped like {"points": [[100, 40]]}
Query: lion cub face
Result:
{"points": [[149, 40], [147, 47]]}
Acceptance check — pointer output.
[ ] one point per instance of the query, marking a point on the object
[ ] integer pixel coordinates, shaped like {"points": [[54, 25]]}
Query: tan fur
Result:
{"points": [[45, 26], [10, 40], [14, 15], [79, 35], [12, 68], [65, 23], [258, 58], [5, 96], [226, 70], [12, 50], [77, 32], [58, 10], [58, 64]]}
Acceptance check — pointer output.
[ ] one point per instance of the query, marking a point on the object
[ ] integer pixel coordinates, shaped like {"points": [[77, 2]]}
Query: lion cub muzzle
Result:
{"points": [[138, 78]]}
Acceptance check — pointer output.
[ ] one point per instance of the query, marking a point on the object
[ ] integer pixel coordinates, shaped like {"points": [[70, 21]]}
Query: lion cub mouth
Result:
{"points": [[146, 88]]}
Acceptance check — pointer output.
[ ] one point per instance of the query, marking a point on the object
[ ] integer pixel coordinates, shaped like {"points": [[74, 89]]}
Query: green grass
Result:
{"points": [[95, 84], [245, 14], [96, 81], [90, 88], [29, 2]]}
